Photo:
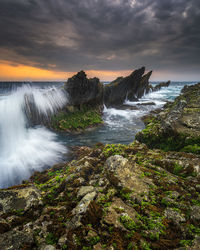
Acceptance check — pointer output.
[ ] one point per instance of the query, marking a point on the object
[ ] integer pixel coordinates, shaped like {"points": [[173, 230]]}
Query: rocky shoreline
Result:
{"points": [[177, 126], [116, 196]]}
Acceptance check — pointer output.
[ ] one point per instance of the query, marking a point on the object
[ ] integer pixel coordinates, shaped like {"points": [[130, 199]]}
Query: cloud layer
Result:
{"points": [[69, 35]]}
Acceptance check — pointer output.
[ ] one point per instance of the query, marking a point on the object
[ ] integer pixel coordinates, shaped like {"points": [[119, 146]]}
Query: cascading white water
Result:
{"points": [[24, 149]]}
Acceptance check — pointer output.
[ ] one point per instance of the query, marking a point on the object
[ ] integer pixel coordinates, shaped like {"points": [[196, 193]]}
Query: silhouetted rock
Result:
{"points": [[144, 87], [161, 85], [116, 92], [84, 91]]}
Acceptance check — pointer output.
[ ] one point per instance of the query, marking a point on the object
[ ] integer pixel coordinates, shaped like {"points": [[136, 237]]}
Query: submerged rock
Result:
{"points": [[161, 85]]}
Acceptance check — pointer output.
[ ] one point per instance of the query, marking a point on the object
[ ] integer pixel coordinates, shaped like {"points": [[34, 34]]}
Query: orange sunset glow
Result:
{"points": [[10, 72], [20, 72], [23, 73]]}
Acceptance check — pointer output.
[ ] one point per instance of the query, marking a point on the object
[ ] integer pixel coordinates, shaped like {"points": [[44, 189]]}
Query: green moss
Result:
{"points": [[152, 222], [128, 222], [94, 240], [131, 246], [154, 137], [114, 244], [195, 202], [177, 169], [165, 202], [193, 230], [19, 212], [86, 248], [145, 245], [186, 243], [125, 193], [195, 149], [80, 119], [154, 236], [114, 149], [50, 239], [64, 247]]}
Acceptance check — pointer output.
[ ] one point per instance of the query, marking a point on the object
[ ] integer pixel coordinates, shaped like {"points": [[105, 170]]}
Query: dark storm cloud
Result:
{"points": [[101, 34]]}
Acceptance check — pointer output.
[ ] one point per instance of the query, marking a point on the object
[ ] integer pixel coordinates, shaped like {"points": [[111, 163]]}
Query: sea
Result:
{"points": [[25, 148]]}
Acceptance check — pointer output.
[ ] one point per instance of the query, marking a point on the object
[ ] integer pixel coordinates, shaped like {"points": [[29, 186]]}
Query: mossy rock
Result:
{"points": [[176, 127], [77, 120]]}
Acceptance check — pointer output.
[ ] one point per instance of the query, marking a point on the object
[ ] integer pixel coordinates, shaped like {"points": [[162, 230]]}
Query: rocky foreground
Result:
{"points": [[115, 196]]}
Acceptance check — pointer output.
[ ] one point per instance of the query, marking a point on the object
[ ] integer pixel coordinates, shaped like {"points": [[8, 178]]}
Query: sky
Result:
{"points": [[54, 39]]}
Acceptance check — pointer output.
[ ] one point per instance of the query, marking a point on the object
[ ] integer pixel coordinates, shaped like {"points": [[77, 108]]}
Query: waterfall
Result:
{"points": [[25, 149]]}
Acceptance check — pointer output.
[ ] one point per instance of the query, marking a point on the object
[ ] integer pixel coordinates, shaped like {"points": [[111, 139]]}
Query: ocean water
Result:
{"points": [[25, 149]]}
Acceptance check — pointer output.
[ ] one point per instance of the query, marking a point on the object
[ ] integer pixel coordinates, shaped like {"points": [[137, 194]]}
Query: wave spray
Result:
{"points": [[25, 149]]}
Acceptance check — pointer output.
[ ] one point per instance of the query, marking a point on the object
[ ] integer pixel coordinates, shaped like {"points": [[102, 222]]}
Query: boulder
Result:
{"points": [[174, 216], [195, 214], [115, 210], [47, 247], [16, 240], [124, 175], [19, 199], [85, 190]]}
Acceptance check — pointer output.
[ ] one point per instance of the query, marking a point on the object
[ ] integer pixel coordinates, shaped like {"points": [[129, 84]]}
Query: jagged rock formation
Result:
{"points": [[84, 91], [87, 96], [144, 86], [131, 87]]}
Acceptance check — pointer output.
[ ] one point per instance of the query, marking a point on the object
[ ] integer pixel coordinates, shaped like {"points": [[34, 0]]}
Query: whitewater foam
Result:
{"points": [[24, 149]]}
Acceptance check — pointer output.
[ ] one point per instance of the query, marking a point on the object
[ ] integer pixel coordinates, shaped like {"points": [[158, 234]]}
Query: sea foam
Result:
{"points": [[25, 149]]}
